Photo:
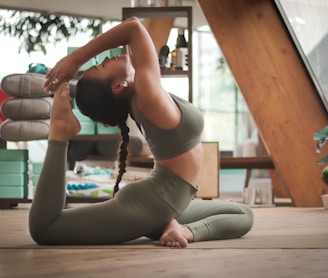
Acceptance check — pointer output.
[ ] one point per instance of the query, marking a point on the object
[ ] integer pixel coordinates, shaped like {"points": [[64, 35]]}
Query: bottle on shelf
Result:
{"points": [[179, 56]]}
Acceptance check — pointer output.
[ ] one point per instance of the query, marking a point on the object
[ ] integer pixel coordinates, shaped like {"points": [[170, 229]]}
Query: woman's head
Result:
{"points": [[96, 100], [101, 93]]}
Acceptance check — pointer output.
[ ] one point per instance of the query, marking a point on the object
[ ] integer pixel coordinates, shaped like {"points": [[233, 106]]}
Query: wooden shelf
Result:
{"points": [[184, 12], [159, 12], [174, 73]]}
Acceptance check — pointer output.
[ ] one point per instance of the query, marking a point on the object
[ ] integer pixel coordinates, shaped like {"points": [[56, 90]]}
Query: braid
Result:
{"points": [[123, 154]]}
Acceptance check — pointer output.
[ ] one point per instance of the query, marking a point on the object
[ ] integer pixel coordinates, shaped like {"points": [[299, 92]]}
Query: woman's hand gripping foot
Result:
{"points": [[63, 123], [176, 235]]}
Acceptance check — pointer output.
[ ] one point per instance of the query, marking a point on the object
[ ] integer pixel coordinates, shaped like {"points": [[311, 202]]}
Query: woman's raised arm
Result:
{"points": [[130, 33]]}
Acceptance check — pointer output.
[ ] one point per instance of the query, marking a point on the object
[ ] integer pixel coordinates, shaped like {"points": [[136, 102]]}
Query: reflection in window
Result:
{"points": [[308, 21]]}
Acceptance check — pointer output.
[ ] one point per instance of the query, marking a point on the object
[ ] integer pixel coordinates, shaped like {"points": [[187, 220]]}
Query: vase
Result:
{"points": [[325, 201], [258, 196]]}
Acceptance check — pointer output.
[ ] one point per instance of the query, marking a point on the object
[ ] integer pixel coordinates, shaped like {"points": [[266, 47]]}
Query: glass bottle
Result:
{"points": [[179, 56]]}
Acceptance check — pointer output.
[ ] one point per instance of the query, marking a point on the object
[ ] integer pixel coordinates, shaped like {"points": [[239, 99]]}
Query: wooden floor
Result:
{"points": [[284, 242]]}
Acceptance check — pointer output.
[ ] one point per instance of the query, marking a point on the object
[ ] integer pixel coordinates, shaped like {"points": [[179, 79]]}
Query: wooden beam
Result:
{"points": [[276, 86], [279, 186], [159, 30]]}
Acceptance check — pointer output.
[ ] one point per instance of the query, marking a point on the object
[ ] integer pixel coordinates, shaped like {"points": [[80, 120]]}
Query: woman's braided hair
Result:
{"points": [[95, 99], [123, 154]]}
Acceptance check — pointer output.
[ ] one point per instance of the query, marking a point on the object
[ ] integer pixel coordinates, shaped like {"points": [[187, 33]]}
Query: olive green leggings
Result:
{"points": [[141, 208]]}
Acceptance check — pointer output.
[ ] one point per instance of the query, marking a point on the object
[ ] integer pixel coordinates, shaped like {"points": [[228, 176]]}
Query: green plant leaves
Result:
{"points": [[322, 137], [321, 133], [36, 30], [324, 175], [323, 160]]}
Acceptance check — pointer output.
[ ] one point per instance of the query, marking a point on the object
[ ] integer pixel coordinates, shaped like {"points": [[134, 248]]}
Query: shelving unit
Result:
{"points": [[169, 12]]}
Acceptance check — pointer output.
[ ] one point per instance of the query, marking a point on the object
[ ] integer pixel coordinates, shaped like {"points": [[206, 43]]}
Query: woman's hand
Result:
{"points": [[64, 70]]}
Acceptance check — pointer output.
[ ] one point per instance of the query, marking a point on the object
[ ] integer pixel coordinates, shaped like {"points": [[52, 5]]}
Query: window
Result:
{"points": [[307, 22], [227, 119]]}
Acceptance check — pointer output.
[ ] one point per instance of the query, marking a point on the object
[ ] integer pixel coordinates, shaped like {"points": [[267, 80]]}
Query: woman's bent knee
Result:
{"points": [[249, 219], [37, 233]]}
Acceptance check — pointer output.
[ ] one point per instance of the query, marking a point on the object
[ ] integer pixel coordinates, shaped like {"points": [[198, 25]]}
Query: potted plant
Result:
{"points": [[322, 137]]}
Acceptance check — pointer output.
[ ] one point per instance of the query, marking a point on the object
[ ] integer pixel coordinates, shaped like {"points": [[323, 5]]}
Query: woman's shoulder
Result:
{"points": [[160, 109]]}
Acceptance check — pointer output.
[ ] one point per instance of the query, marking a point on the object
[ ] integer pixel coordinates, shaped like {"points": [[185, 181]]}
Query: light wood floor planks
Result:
{"points": [[285, 242]]}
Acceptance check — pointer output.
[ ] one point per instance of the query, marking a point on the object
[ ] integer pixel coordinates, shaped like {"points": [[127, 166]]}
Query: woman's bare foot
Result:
{"points": [[63, 123], [176, 235]]}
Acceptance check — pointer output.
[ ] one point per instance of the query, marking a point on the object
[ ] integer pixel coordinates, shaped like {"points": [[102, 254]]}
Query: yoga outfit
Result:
{"points": [[168, 143], [141, 208]]}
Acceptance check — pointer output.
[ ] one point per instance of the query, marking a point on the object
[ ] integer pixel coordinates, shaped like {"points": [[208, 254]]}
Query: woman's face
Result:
{"points": [[111, 68]]}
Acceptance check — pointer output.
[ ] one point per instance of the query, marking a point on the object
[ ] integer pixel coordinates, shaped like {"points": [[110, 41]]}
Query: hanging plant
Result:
{"points": [[36, 30]]}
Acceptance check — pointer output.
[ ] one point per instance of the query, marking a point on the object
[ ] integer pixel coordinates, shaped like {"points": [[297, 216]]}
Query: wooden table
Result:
{"points": [[11, 203], [258, 162]]}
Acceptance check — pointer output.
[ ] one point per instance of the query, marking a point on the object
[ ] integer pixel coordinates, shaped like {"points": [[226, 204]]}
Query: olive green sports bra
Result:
{"points": [[168, 143]]}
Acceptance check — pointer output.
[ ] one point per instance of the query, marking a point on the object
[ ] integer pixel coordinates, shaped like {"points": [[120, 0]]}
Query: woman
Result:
{"points": [[158, 207]]}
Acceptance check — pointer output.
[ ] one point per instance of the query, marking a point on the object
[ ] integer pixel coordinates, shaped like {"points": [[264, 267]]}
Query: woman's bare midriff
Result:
{"points": [[186, 165]]}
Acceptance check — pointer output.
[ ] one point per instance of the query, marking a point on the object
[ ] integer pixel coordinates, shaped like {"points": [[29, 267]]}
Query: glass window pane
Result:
{"points": [[307, 21], [217, 96]]}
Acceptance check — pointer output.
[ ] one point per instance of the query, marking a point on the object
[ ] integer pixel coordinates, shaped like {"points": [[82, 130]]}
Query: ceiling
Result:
{"points": [[104, 9]]}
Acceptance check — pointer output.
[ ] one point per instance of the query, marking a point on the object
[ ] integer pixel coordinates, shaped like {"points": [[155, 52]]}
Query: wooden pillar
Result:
{"points": [[279, 186], [275, 84], [159, 30]]}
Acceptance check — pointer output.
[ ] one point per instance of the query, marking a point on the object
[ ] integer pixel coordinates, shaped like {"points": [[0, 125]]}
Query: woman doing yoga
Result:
{"points": [[161, 206]]}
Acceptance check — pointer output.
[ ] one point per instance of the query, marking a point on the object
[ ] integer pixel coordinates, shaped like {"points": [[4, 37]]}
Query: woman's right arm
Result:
{"points": [[128, 33]]}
